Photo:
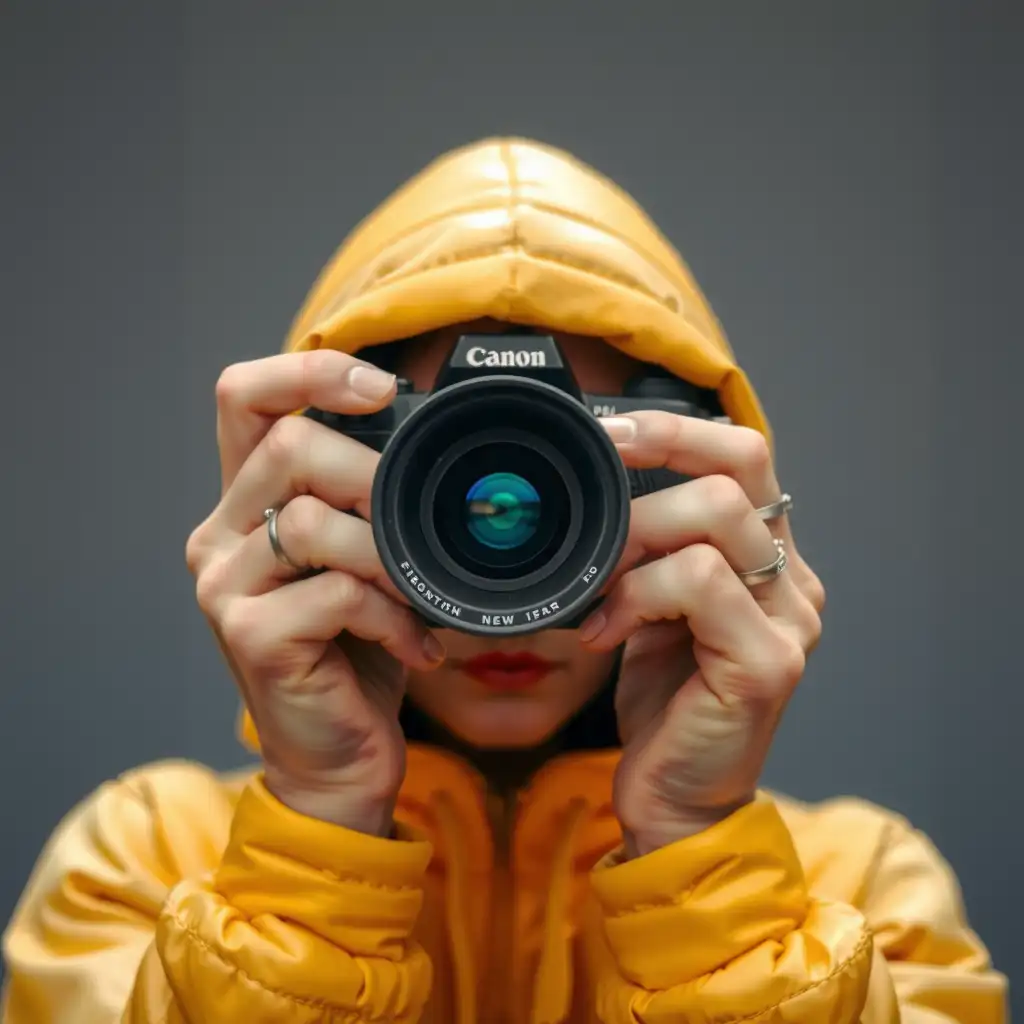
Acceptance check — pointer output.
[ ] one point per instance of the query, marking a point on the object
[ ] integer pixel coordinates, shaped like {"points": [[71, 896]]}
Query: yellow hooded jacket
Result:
{"points": [[176, 894]]}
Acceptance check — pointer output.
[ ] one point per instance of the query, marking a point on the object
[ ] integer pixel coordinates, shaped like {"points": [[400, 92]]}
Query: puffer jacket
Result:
{"points": [[176, 894]]}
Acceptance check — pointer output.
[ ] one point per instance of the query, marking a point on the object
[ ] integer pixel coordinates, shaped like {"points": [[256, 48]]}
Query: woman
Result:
{"points": [[448, 828]]}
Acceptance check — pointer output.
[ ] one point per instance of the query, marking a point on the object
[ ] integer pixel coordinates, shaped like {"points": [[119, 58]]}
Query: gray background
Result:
{"points": [[844, 179]]}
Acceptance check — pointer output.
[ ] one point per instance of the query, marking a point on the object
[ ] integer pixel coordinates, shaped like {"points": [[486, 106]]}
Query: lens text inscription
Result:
{"points": [[421, 588]]}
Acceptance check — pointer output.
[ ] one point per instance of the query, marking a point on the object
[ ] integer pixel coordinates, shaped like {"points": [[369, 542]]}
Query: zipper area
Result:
{"points": [[499, 995]]}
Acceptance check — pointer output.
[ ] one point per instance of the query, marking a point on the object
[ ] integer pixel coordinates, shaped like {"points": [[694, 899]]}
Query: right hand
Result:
{"points": [[320, 659]]}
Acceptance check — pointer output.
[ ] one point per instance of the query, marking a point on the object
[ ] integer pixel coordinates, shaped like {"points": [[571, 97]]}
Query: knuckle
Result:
{"points": [[285, 439], [727, 498], [320, 364], [195, 549], [210, 588], [301, 522], [706, 566], [628, 591], [202, 546], [790, 663], [752, 448], [663, 427], [348, 594], [242, 630], [230, 385], [814, 591], [783, 668], [813, 630], [809, 625]]}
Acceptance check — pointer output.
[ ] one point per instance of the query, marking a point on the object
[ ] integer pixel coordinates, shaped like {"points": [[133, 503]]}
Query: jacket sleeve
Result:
{"points": [[293, 919], [721, 926]]}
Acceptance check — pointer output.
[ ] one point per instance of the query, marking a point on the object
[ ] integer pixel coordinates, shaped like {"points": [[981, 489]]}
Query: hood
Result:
{"points": [[525, 233], [522, 232]]}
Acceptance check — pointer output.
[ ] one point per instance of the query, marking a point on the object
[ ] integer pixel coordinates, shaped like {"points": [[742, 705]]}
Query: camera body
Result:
{"points": [[500, 506]]}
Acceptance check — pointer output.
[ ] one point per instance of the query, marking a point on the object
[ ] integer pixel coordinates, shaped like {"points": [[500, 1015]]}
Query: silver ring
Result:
{"points": [[270, 514], [777, 508], [769, 572]]}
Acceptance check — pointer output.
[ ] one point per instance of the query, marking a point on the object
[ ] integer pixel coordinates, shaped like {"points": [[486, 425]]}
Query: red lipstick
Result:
{"points": [[507, 672]]}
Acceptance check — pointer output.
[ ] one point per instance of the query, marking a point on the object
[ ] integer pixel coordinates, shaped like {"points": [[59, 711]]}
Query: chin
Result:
{"points": [[514, 723]]}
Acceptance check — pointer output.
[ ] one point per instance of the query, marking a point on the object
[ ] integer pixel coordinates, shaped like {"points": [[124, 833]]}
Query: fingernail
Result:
{"points": [[621, 429], [433, 649], [593, 627], [369, 382]]}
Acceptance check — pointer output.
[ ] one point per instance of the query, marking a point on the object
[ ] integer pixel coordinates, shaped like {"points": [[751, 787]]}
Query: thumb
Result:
{"points": [[656, 664]]}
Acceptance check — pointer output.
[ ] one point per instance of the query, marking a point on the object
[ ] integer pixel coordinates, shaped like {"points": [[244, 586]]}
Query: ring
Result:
{"points": [[769, 572], [776, 508], [270, 515]]}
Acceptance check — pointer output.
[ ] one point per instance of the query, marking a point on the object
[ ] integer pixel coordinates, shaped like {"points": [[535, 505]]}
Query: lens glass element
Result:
{"points": [[485, 496], [500, 506], [502, 510]]}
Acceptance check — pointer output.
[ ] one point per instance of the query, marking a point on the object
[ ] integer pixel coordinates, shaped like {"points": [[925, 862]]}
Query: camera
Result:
{"points": [[500, 506]]}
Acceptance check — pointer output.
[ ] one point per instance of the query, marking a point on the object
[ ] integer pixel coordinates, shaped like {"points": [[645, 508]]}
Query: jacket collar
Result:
{"points": [[580, 781]]}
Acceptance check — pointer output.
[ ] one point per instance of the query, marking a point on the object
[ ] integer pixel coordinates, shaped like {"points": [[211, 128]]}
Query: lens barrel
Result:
{"points": [[500, 505]]}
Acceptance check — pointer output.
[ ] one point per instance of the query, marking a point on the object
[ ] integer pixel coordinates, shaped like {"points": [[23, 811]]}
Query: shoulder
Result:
{"points": [[817, 823], [170, 787], [860, 851], [171, 784], [168, 819], [100, 882]]}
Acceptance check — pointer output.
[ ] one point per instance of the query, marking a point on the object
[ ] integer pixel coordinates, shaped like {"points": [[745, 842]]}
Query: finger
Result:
{"points": [[695, 447], [754, 635], [268, 632], [314, 536], [712, 510], [298, 456], [251, 396]]}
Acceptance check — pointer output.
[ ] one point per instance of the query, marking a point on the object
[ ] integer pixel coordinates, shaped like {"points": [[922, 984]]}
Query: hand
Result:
{"points": [[320, 658], [709, 663]]}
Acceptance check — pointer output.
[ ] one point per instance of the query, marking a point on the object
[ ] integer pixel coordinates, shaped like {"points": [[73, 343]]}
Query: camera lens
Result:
{"points": [[461, 541], [484, 521], [502, 510], [504, 538]]}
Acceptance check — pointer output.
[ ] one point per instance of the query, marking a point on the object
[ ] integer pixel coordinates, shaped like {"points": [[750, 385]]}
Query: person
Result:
{"points": [[568, 826]]}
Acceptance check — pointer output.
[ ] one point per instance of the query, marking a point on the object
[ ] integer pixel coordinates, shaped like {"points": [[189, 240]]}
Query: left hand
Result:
{"points": [[709, 662]]}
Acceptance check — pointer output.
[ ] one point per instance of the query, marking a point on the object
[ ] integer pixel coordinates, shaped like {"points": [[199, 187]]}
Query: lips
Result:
{"points": [[508, 672]]}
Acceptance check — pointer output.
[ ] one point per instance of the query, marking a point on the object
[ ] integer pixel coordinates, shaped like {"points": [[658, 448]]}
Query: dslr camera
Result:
{"points": [[500, 506]]}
